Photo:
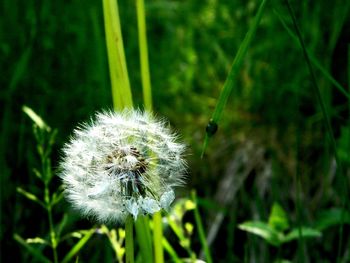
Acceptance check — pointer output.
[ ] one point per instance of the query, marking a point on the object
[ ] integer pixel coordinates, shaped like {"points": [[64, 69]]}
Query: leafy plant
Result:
{"points": [[184, 230], [277, 230], [45, 139], [332, 217]]}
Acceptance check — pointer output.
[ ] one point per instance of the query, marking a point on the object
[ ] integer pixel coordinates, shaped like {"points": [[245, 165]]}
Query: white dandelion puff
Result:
{"points": [[122, 163]]}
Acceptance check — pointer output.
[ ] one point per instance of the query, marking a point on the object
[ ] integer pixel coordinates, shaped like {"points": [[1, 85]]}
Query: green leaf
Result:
{"points": [[57, 197], [175, 225], [62, 225], [35, 252], [171, 251], [332, 217], [305, 233], [121, 91], [36, 118], [30, 196], [20, 69], [145, 75], [76, 234], [116, 240], [180, 207], [189, 205], [37, 173], [278, 218], [37, 240], [236, 66], [78, 246], [52, 138], [263, 230], [48, 171], [282, 261]]}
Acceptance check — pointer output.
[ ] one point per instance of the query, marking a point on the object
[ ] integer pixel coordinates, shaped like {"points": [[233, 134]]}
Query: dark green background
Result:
{"points": [[53, 59]]}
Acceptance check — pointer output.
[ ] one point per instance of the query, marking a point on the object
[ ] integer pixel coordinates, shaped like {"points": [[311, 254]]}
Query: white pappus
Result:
{"points": [[122, 163]]}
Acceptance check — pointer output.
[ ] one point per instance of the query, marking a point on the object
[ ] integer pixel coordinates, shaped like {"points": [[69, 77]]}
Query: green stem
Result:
{"points": [[144, 238], [158, 237], [171, 251], [298, 185], [129, 240], [201, 233], [142, 224], [301, 243], [121, 91], [344, 188], [52, 230], [145, 75], [236, 66]]}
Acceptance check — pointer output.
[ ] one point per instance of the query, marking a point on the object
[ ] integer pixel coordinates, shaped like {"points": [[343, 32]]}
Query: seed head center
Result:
{"points": [[129, 160]]}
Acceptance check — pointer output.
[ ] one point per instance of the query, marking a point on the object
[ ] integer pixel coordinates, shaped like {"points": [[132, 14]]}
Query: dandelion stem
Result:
{"points": [[144, 237], [158, 237], [129, 240]]}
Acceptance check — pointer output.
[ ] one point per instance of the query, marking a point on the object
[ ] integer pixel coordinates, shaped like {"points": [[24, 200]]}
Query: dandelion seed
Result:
{"points": [[122, 163]]}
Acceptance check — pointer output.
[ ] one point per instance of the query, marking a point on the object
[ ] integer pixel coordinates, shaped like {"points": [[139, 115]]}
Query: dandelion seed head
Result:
{"points": [[122, 163]]}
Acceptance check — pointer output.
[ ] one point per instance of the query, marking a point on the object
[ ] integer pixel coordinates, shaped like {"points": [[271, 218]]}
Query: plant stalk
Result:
{"points": [[129, 240], [145, 73], [200, 227], [158, 237], [52, 230]]}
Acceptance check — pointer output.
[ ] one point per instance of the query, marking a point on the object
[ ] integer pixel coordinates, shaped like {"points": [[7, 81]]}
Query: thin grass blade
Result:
{"points": [[313, 59], [78, 246], [230, 81], [30, 196], [121, 91], [145, 72], [171, 251], [35, 252], [200, 227], [144, 238], [344, 191]]}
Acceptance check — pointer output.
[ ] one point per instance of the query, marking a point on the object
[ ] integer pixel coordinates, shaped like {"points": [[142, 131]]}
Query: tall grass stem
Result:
{"points": [[171, 251], [78, 246], [236, 66], [344, 184], [52, 234], [158, 237], [145, 72], [129, 239], [313, 59], [121, 91], [147, 99], [200, 227], [144, 238]]}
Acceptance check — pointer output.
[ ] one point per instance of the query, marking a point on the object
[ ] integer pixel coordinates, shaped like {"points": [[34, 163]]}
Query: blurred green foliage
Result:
{"points": [[53, 59]]}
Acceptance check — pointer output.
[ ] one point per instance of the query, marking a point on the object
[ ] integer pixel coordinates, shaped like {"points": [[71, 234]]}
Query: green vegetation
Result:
{"points": [[272, 183]]}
